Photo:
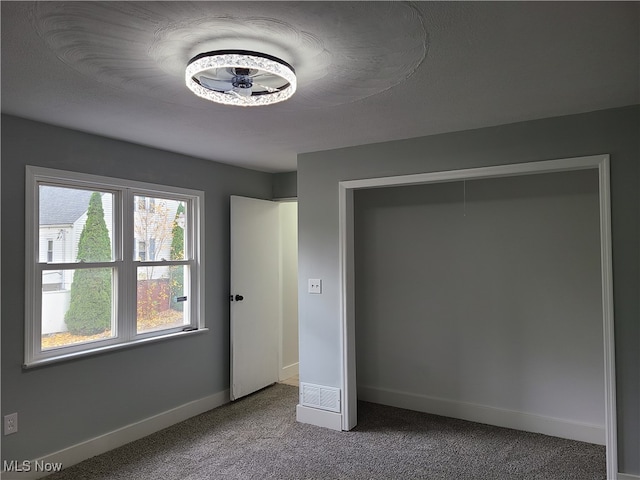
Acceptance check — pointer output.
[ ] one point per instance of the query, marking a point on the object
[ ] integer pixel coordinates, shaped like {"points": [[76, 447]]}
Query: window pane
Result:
{"points": [[77, 306], [75, 225], [163, 301], [159, 226]]}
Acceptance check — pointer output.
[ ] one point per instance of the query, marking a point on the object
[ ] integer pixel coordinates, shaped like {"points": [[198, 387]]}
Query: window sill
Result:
{"points": [[109, 348]]}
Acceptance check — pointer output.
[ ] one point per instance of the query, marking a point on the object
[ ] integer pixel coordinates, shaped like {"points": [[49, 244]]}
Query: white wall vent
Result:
{"points": [[318, 396]]}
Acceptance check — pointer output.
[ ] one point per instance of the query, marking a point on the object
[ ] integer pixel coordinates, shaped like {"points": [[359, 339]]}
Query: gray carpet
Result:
{"points": [[258, 438]]}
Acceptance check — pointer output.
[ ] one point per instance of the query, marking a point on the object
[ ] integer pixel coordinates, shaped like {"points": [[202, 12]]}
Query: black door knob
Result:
{"points": [[239, 298]]}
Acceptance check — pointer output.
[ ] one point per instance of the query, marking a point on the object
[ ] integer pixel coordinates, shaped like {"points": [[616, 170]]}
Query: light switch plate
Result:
{"points": [[315, 285]]}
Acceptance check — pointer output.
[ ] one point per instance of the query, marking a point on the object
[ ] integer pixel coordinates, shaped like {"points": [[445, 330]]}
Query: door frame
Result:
{"points": [[292, 369], [347, 272]]}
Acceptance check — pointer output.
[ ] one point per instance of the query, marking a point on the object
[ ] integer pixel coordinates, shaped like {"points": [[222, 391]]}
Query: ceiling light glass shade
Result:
{"points": [[239, 77]]}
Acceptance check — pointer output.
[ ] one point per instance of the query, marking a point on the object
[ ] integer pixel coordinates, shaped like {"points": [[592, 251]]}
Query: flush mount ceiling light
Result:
{"points": [[240, 77]]}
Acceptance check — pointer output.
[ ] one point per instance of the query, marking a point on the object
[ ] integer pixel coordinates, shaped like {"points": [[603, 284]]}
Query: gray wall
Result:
{"points": [[610, 131], [494, 300], [65, 403], [284, 185]]}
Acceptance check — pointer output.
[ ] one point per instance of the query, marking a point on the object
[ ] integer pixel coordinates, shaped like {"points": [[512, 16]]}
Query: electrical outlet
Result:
{"points": [[10, 423], [315, 285]]}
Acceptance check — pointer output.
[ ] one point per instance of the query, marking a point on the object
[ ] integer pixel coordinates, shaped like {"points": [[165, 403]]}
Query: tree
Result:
{"points": [[90, 304], [177, 253], [152, 227]]}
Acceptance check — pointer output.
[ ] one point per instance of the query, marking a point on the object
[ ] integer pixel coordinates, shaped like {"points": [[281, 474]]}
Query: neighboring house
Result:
{"points": [[153, 232], [63, 213], [153, 220]]}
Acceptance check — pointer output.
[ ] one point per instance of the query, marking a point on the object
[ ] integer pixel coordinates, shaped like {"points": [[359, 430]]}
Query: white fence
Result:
{"points": [[54, 306]]}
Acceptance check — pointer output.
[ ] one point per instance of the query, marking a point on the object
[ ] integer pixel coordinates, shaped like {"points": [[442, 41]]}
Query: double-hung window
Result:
{"points": [[109, 263]]}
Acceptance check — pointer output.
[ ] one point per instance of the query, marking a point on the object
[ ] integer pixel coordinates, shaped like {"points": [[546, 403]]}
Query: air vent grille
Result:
{"points": [[318, 396]]}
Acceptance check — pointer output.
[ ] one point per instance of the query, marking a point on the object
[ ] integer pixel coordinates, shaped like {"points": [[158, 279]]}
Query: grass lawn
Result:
{"points": [[167, 319]]}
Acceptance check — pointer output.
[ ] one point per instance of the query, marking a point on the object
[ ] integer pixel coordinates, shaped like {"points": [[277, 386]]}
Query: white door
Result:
{"points": [[255, 294]]}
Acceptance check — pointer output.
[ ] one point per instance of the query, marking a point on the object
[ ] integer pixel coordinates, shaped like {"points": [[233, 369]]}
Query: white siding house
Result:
{"points": [[63, 213]]}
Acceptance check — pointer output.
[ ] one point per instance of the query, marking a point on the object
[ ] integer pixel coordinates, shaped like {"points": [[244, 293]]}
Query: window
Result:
{"points": [[110, 263], [49, 251]]}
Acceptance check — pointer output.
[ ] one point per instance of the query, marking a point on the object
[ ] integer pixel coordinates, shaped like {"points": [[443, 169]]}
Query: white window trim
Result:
{"points": [[124, 283]]}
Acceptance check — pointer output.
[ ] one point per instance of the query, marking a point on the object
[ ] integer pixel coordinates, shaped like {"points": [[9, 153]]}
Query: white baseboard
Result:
{"points": [[320, 418], [484, 414], [628, 476], [116, 438], [289, 371]]}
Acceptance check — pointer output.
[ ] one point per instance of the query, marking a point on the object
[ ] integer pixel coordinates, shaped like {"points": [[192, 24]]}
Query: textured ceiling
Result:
{"points": [[367, 71]]}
